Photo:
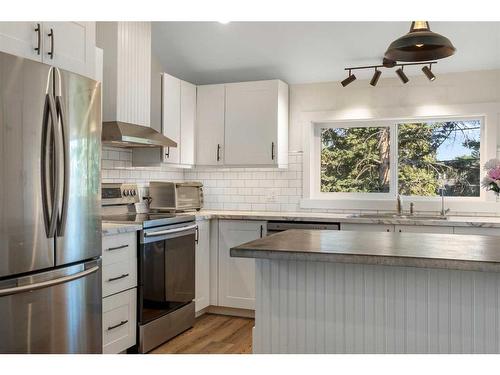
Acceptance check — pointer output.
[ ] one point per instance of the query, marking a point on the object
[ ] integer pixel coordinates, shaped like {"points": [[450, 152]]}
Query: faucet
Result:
{"points": [[399, 205], [443, 210]]}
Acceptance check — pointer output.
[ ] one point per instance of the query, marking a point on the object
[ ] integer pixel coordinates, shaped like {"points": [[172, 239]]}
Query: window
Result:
{"points": [[425, 156], [355, 160], [436, 154]]}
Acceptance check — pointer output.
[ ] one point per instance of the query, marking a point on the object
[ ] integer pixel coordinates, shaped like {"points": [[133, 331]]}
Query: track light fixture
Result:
{"points": [[402, 76], [388, 64], [427, 71], [375, 77], [351, 78]]}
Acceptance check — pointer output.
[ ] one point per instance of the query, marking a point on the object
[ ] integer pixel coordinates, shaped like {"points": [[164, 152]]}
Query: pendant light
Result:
{"points": [[420, 44]]}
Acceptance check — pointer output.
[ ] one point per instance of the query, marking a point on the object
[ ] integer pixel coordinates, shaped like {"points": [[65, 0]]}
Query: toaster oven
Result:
{"points": [[176, 196]]}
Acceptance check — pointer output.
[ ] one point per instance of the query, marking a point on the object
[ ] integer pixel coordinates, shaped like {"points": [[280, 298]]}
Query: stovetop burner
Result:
{"points": [[148, 220]]}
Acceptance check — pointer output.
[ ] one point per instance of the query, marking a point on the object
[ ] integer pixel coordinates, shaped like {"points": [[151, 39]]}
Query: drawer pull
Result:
{"points": [[118, 277], [117, 248], [123, 322]]}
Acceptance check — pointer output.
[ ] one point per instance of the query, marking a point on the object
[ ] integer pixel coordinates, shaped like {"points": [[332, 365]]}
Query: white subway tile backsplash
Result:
{"points": [[259, 189]]}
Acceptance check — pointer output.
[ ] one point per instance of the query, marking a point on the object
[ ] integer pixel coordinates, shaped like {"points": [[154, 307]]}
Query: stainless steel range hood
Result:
{"points": [[122, 134]]}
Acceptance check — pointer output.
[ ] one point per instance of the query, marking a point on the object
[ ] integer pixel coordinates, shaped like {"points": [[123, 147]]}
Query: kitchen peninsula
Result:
{"points": [[357, 292]]}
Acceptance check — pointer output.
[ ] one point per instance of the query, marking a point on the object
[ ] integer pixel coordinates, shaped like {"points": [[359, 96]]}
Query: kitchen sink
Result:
{"points": [[402, 217]]}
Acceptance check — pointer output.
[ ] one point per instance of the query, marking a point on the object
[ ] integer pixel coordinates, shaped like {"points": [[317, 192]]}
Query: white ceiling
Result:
{"points": [[301, 52]]}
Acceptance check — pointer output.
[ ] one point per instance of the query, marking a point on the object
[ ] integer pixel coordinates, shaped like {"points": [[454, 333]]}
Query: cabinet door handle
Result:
{"points": [[38, 30], [116, 248], [51, 52], [272, 150], [123, 322], [218, 152], [118, 277], [197, 235], [261, 231]]}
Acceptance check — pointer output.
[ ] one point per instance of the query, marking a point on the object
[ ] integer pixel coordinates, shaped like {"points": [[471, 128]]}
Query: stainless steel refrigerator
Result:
{"points": [[50, 225]]}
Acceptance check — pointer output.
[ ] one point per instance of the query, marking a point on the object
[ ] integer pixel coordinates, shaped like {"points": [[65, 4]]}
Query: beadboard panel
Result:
{"points": [[312, 307], [127, 71], [134, 72]]}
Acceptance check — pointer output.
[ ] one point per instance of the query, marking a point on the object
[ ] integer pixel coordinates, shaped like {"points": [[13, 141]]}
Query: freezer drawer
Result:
{"points": [[53, 312]]}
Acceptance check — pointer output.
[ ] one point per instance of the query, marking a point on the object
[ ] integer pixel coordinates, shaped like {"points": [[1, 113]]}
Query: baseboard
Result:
{"points": [[201, 312], [221, 310]]}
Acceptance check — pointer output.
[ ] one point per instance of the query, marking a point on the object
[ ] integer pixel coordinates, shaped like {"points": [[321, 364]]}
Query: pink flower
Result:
{"points": [[494, 173]]}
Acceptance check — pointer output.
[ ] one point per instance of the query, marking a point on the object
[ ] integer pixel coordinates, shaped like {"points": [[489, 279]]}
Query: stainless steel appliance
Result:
{"points": [[50, 225], [280, 226], [166, 264], [176, 196], [122, 134]]}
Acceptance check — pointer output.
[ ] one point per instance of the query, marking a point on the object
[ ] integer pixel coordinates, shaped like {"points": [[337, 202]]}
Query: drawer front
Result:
{"points": [[119, 248], [118, 277], [119, 270], [119, 322]]}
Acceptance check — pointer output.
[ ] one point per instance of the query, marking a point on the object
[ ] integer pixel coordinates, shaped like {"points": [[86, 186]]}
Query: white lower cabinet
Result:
{"points": [[202, 275], [424, 229], [119, 321], [119, 282], [367, 227], [237, 275]]}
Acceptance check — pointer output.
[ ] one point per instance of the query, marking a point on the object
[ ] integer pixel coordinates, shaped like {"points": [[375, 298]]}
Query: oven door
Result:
{"points": [[167, 271]]}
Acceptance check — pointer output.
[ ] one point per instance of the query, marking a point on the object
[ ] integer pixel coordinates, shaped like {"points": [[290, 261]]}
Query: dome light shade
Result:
{"points": [[420, 44]]}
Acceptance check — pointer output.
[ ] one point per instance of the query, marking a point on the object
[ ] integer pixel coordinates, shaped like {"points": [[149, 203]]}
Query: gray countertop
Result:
{"points": [[460, 252], [452, 221]]}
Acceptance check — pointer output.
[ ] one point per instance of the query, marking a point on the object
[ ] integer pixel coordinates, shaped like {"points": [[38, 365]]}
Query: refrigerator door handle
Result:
{"points": [[48, 283], [50, 194], [65, 169]]}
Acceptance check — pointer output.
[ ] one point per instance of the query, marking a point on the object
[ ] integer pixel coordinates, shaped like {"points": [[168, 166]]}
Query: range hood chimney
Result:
{"points": [[122, 134]]}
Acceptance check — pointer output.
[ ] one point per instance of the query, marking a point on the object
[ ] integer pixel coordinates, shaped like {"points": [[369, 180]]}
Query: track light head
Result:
{"points": [[402, 76], [351, 78], [427, 71], [375, 77]]}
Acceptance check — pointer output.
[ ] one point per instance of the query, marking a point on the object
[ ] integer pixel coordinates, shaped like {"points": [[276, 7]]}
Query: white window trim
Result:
{"points": [[488, 113]]}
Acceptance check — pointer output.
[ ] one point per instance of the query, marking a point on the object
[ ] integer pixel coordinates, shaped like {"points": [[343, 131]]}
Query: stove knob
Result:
{"points": [[133, 192], [125, 193]]}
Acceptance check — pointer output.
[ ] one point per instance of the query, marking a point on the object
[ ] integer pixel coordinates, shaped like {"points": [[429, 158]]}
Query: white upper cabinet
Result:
{"points": [[127, 71], [22, 39], [188, 119], [210, 124], [256, 123], [171, 116], [67, 45], [70, 46]]}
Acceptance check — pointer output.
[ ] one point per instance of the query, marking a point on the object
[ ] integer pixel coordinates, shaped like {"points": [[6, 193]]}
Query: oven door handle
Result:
{"points": [[170, 231]]}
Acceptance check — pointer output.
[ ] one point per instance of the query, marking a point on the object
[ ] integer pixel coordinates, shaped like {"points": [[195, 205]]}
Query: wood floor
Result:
{"points": [[213, 334]]}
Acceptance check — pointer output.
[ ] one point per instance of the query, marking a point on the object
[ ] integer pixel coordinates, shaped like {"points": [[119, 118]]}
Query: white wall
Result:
{"points": [[453, 88]]}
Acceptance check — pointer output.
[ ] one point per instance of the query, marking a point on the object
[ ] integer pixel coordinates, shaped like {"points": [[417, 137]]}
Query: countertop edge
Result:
{"points": [[378, 260], [297, 216], [111, 229]]}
